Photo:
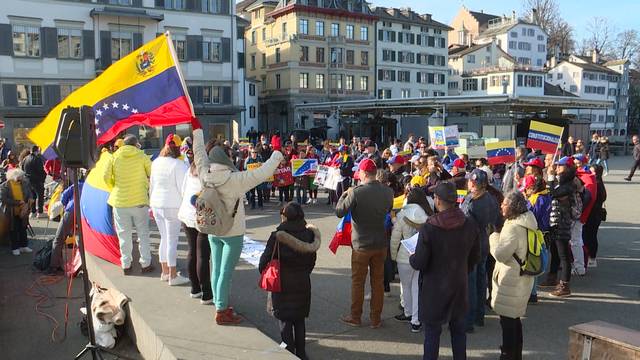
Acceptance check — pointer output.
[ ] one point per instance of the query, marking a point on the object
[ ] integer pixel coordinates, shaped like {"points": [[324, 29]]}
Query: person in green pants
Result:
{"points": [[217, 170]]}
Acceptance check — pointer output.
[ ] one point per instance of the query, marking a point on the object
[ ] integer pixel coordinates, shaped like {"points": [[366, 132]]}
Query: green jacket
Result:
{"points": [[128, 173]]}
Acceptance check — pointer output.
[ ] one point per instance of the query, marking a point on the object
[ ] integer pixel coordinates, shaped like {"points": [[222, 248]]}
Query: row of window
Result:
{"points": [[473, 84], [349, 30], [602, 77], [406, 93], [600, 90], [527, 32], [409, 57], [405, 76], [409, 38], [526, 46], [423, 29], [338, 82]]}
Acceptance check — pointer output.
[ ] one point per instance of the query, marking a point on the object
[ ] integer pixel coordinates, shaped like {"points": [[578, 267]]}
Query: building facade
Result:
{"points": [[467, 26], [49, 48], [308, 51], [411, 54], [589, 78]]}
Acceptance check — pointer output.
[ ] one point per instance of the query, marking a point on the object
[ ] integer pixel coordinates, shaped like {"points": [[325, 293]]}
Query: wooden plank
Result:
{"points": [[600, 340]]}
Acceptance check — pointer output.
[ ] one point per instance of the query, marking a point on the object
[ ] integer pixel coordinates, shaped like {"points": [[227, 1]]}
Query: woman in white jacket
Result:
{"points": [[510, 292], [199, 254], [165, 185], [217, 170], [408, 221]]}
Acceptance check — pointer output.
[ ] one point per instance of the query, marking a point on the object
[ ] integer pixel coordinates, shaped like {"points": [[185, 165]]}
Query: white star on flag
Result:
{"points": [[114, 104], [99, 113], [105, 106], [125, 107], [135, 111], [97, 131], [97, 121]]}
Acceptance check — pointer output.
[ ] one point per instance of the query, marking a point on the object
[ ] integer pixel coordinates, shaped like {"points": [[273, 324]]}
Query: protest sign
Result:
{"points": [[302, 167], [444, 136], [333, 178], [255, 166], [321, 175], [282, 176]]}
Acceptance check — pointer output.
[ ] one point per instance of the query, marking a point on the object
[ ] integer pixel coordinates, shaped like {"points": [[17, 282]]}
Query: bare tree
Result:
{"points": [[546, 13], [599, 35], [627, 45]]}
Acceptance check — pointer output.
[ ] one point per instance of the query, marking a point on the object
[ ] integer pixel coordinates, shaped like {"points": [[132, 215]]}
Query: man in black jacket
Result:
{"points": [[448, 248], [369, 204], [636, 157], [33, 166]]}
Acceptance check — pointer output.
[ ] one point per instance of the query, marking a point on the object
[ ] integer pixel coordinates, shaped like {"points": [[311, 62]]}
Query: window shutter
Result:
{"points": [[192, 48], [413, 38], [159, 3], [393, 75], [137, 40], [49, 42], [240, 60], [51, 95], [226, 95], [224, 7], [418, 58], [88, 44], [400, 37], [226, 50], [380, 33], [380, 74], [6, 40], [419, 40], [393, 56], [10, 92], [105, 49], [393, 36], [418, 77]]}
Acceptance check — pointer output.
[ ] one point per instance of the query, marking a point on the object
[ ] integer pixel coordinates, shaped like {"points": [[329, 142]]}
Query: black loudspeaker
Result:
{"points": [[75, 142]]}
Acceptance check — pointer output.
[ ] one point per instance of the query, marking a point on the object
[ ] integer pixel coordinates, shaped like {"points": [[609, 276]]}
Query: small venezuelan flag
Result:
{"points": [[145, 87], [461, 195], [544, 137], [501, 152]]}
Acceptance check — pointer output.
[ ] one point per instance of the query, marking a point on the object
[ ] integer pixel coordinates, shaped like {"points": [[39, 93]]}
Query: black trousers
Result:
{"points": [[285, 193], [343, 186], [561, 259], [198, 260], [590, 236], [511, 338], [18, 233], [636, 164], [293, 334], [64, 230], [253, 197], [38, 193]]}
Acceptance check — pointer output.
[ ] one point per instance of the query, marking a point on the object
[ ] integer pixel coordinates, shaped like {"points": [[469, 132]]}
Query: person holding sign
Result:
{"points": [[301, 182], [283, 180], [253, 162]]}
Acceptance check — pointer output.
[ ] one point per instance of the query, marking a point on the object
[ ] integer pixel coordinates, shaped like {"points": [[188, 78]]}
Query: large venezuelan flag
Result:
{"points": [[145, 87], [100, 237], [544, 137]]}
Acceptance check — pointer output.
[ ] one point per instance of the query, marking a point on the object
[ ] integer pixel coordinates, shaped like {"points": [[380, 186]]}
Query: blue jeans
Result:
{"points": [[605, 164], [477, 293], [458, 340], [225, 253]]}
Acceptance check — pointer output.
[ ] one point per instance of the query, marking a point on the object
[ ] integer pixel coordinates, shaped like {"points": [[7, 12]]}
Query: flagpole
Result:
{"points": [[555, 154], [174, 56]]}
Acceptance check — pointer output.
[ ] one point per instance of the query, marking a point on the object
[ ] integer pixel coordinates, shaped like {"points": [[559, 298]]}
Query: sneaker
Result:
{"points": [[227, 317], [178, 280], [26, 249], [206, 302], [402, 318], [416, 328], [315, 201], [308, 201], [127, 271], [350, 321], [147, 269], [627, 179], [562, 290], [196, 296], [375, 324], [593, 263], [16, 252], [164, 277]]}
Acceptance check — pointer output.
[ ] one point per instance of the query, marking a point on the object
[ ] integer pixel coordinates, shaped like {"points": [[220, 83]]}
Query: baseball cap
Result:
{"points": [[535, 162], [565, 161], [367, 165], [446, 191], [581, 157], [459, 163], [529, 181], [396, 159], [478, 176], [342, 148]]}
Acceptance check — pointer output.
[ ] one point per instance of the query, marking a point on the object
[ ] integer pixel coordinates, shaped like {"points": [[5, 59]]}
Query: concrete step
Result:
{"points": [[166, 324]]}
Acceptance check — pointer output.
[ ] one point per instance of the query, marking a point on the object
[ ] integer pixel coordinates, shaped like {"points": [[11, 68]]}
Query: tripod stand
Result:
{"points": [[95, 350]]}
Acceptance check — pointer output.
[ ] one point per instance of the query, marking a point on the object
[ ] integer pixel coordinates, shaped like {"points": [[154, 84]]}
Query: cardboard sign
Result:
{"points": [[332, 179], [283, 177], [255, 166], [444, 136], [301, 167], [321, 175]]}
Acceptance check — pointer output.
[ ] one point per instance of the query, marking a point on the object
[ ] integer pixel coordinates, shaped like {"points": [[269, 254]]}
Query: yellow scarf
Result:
{"points": [[16, 192], [534, 197]]}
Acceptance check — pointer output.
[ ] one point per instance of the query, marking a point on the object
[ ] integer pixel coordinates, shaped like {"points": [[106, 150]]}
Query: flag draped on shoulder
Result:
{"points": [[501, 152], [544, 137], [145, 87], [342, 236]]}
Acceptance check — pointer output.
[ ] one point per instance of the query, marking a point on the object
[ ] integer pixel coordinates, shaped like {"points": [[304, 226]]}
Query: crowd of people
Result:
{"points": [[472, 220]]}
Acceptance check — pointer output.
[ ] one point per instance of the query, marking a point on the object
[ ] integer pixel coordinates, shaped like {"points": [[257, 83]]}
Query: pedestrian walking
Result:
{"points": [[217, 170], [15, 203], [636, 157], [511, 290], [294, 243], [165, 198], [369, 204], [128, 174], [448, 249], [603, 159], [594, 148], [33, 167]]}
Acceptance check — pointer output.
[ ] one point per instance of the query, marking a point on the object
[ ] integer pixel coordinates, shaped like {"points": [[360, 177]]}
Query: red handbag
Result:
{"points": [[270, 277]]}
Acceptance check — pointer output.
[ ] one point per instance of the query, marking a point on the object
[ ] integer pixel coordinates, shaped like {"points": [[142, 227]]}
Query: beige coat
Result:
{"points": [[403, 230], [511, 291]]}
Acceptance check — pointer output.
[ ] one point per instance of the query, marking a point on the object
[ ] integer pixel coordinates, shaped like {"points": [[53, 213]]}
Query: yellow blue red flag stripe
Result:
{"points": [[544, 137], [501, 152]]}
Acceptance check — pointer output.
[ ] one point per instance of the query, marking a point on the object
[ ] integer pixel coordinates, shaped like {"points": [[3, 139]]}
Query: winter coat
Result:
{"points": [[128, 174], [369, 205], [232, 185], [298, 244], [604, 150], [460, 180], [636, 152], [563, 191], [187, 212], [594, 150], [596, 211], [257, 160], [540, 205], [486, 213], [33, 167], [510, 291], [165, 182], [407, 223], [434, 179], [345, 166], [448, 248]]}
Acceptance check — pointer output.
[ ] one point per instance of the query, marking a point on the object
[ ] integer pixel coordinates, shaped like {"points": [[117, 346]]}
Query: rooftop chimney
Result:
{"points": [[595, 56]]}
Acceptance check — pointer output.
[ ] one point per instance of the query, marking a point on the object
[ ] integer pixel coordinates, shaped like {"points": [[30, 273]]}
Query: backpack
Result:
{"points": [[42, 259], [212, 215], [537, 257]]}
